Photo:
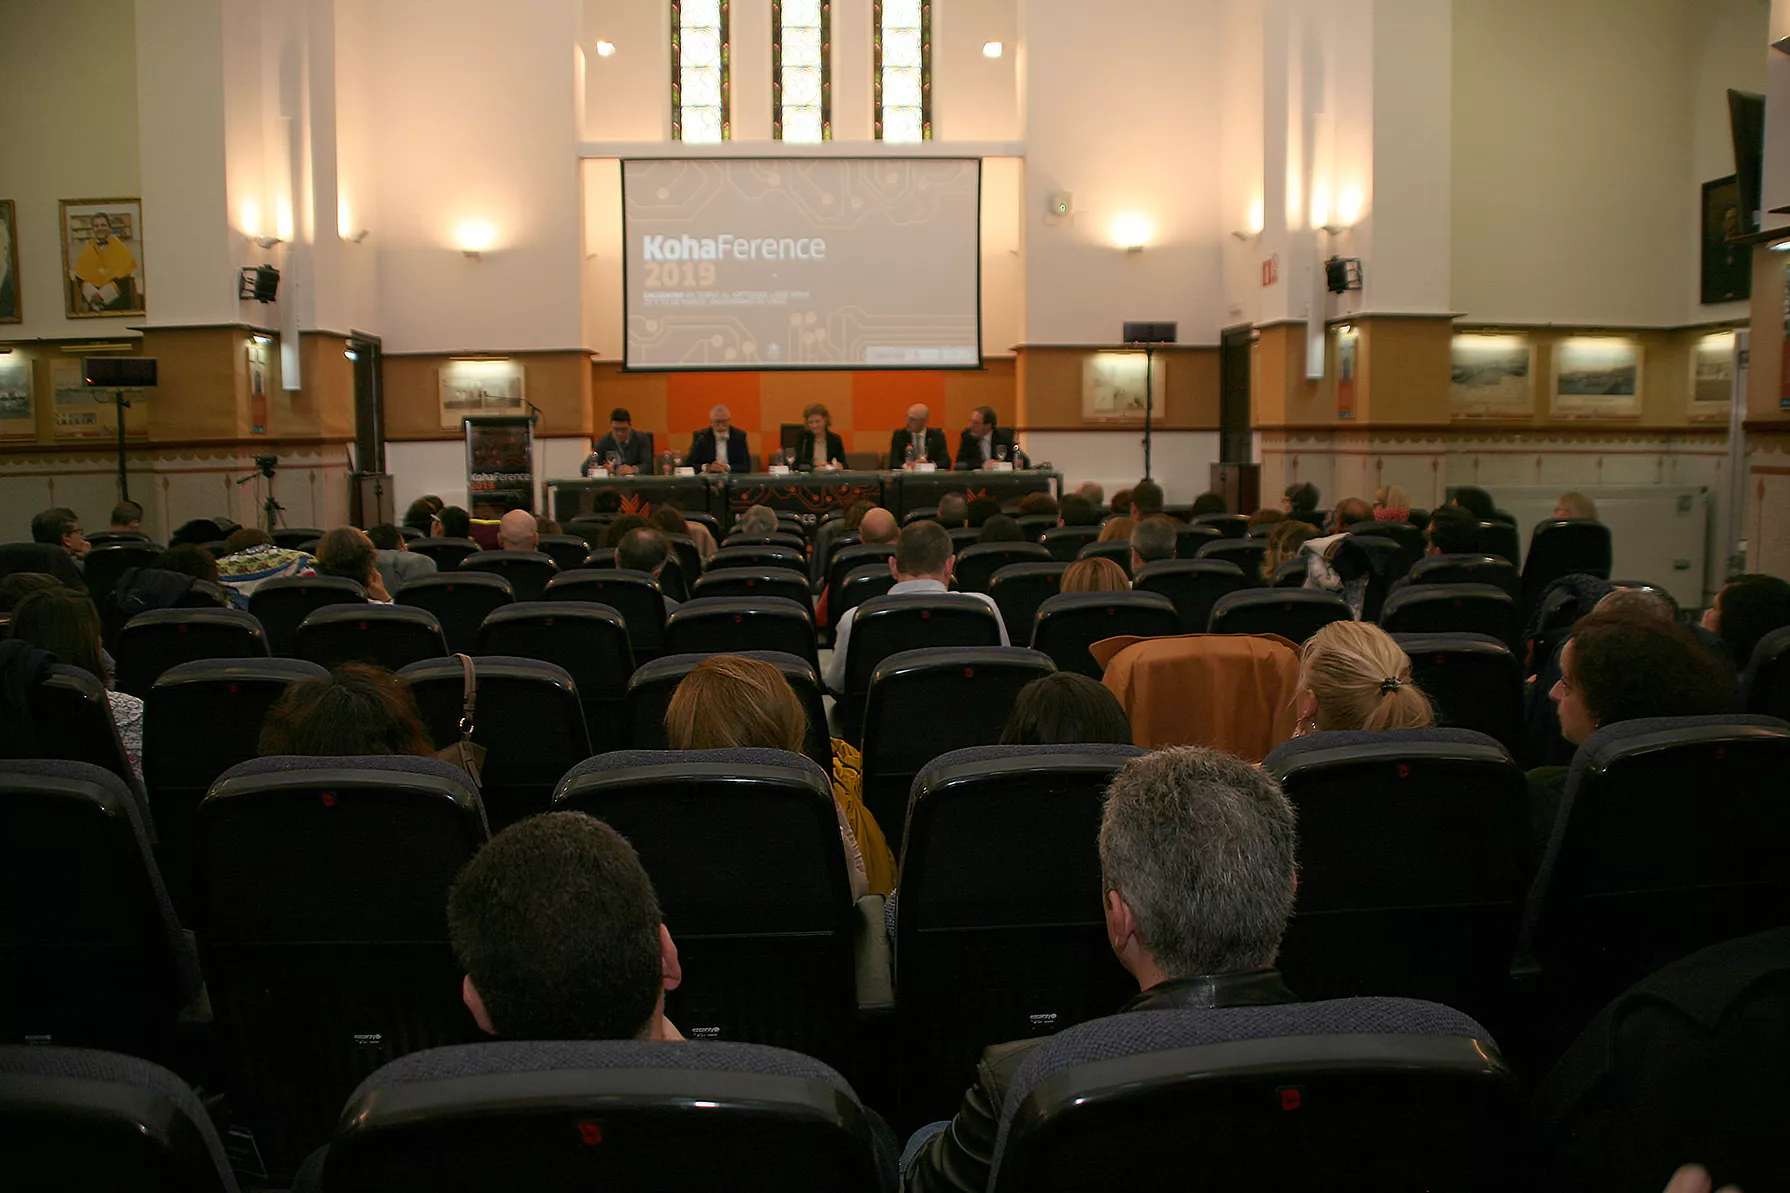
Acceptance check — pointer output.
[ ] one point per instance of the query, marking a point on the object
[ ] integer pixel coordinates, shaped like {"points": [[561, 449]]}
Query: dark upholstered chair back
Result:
{"points": [[1473, 682], [1246, 553], [1070, 622], [152, 642], [1499, 538], [106, 562], [750, 583], [999, 929], [92, 950], [1671, 835], [1294, 613], [633, 594], [1119, 552], [848, 557], [1468, 569], [1034, 525], [1193, 586], [1767, 679], [652, 685], [73, 720], [529, 717], [567, 551], [761, 555], [1065, 542], [562, 1116], [1453, 609], [389, 636], [860, 585], [724, 625], [1359, 1095], [459, 601], [1190, 538], [282, 604], [590, 641], [1231, 526], [977, 563], [321, 914], [903, 730], [75, 1118], [527, 571], [1020, 589], [446, 552], [1562, 546], [1413, 850]]}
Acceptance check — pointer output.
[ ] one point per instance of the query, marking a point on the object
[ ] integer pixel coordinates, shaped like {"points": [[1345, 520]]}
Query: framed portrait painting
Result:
{"points": [[102, 257], [9, 263], [1727, 268]]}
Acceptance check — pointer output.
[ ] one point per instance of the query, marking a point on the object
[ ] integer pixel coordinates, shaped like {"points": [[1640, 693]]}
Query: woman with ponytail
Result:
{"points": [[1352, 675]]}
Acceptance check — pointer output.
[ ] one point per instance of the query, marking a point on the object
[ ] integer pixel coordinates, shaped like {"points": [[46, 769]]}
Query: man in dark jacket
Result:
{"points": [[633, 450], [1196, 847], [983, 443], [720, 446]]}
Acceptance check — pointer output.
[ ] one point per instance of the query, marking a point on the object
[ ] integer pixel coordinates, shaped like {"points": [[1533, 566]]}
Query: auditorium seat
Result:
{"points": [[1033, 526], [903, 729], [891, 623], [1070, 622], [1065, 542], [651, 1115], [1246, 553], [650, 690], [748, 583], [724, 625], [964, 536], [1193, 586], [590, 527], [845, 559], [600, 557], [792, 539], [322, 925], [1468, 569], [73, 721], [1453, 609], [1767, 680], [389, 636], [528, 716], [1293, 613], [79, 1118], [1190, 538], [446, 552], [1231, 526], [1413, 851], [860, 584], [47, 558], [1410, 540], [104, 564], [743, 848], [921, 513], [687, 554], [761, 556], [977, 564], [1560, 546], [1292, 573], [294, 538], [1020, 589], [1499, 538], [152, 642], [460, 601], [282, 604], [567, 551], [829, 540], [590, 641], [1119, 552], [633, 594], [528, 572], [998, 929], [199, 720], [101, 538], [95, 953], [1390, 1095], [1671, 835], [1472, 680]]}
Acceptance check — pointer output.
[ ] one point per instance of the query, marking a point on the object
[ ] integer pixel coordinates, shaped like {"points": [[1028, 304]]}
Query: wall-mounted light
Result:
{"points": [[992, 49], [261, 339], [1242, 234], [266, 242], [350, 354], [1132, 232], [1348, 206], [358, 235], [605, 49], [1782, 246], [475, 237]]}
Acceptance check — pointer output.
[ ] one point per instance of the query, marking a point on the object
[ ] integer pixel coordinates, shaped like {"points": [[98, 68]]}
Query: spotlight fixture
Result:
{"points": [[605, 49], [992, 49]]}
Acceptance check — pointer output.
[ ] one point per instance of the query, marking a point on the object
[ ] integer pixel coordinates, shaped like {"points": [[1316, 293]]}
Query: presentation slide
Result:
{"points": [[810, 263]]}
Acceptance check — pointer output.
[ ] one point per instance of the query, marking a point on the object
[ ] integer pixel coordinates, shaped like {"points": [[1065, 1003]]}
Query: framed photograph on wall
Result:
{"points": [[18, 413], [1596, 377], [1493, 376], [1112, 386], [1712, 377], [102, 257], [1727, 268], [9, 263], [481, 387]]}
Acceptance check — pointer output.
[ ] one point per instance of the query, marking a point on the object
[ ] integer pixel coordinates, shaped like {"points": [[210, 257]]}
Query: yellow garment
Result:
{"points": [[97, 266], [848, 793]]}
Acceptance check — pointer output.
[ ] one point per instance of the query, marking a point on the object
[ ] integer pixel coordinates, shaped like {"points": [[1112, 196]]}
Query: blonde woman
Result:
{"points": [[730, 702], [1094, 574], [1352, 675], [1391, 504], [1119, 529], [1284, 541]]}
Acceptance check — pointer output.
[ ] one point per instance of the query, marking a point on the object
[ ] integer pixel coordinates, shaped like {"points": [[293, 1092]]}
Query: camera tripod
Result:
{"points": [[270, 509]]}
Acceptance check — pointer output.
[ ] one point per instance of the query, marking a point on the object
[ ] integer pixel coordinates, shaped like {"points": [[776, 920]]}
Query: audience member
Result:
{"points": [[1352, 675], [421, 516], [58, 527], [1746, 609], [1284, 542], [250, 560], [1209, 503], [1300, 497], [1265, 517], [1151, 540], [1146, 499], [1640, 604], [559, 932], [456, 523], [876, 525], [1196, 849], [606, 501], [1091, 492], [1475, 501], [1391, 504], [357, 709], [1349, 511], [1117, 529], [127, 518], [923, 562], [1575, 505], [733, 702], [189, 559], [1000, 529], [66, 624], [346, 551], [1075, 511], [200, 531], [548, 526], [396, 562], [1044, 503], [1453, 530], [1122, 502], [981, 510], [1094, 574], [854, 514], [517, 531], [645, 550], [954, 511], [757, 521], [620, 528], [670, 520], [1064, 709], [16, 586]]}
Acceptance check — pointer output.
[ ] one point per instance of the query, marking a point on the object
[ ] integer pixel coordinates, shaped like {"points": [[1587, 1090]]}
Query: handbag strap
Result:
{"points": [[468, 697]]}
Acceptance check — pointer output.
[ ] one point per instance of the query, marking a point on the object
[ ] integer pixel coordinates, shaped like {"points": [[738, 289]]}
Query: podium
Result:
{"points": [[500, 464]]}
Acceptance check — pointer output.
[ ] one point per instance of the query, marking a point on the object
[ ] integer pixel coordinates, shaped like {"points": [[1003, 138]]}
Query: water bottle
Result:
{"points": [[910, 451]]}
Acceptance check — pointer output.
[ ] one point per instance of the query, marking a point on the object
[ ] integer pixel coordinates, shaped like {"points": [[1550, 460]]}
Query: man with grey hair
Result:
{"points": [[1092, 491], [757, 521], [720, 446], [1196, 854], [928, 443], [1151, 539]]}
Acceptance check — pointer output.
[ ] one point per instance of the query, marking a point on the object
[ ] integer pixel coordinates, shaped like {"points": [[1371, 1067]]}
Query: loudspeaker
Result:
{"points": [[259, 282], [1342, 273], [118, 372], [1149, 333]]}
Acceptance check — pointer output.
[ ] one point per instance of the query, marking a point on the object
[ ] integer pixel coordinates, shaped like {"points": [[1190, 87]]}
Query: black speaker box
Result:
{"points": [[118, 372]]}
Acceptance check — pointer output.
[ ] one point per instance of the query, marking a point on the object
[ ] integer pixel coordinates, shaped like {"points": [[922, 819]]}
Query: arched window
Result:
{"points": [[903, 70], [699, 61], [801, 70]]}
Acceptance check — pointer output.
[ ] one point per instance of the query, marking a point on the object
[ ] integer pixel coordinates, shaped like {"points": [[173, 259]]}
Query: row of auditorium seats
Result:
{"points": [[315, 889]]}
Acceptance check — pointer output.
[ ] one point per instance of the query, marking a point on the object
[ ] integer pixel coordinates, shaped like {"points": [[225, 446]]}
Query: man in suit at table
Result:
{"points": [[928, 442], [719, 447], [633, 450], [982, 442]]}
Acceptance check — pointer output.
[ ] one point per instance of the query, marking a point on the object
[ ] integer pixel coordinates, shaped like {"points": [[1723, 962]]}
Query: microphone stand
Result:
{"points": [[1149, 401]]}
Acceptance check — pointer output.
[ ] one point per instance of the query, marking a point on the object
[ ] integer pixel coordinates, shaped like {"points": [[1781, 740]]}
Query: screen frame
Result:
{"points": [[981, 361]]}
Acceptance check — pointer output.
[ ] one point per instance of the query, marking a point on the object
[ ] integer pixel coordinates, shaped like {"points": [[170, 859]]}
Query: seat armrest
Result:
{"points": [[870, 951]]}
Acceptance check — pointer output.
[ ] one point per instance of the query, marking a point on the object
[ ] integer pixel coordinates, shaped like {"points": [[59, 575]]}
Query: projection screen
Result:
{"points": [[808, 263]]}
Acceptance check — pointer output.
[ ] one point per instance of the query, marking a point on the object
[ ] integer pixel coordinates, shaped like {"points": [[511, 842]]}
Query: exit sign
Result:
{"points": [[1271, 270]]}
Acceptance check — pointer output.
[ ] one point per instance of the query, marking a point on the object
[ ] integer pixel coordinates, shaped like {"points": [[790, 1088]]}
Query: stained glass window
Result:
{"points": [[699, 61], [801, 70], [903, 70]]}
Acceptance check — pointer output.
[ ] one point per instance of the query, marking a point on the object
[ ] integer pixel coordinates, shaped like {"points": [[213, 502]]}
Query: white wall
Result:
{"points": [[1180, 460]]}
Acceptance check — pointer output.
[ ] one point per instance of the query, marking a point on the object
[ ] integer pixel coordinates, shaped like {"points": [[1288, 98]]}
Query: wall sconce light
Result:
{"points": [[475, 237], [1348, 206], [992, 49], [1782, 246], [358, 235], [1240, 234], [605, 49], [1335, 229], [1131, 232], [265, 242]]}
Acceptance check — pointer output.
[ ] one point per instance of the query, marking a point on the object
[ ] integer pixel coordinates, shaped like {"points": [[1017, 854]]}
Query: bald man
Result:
{"points": [[720, 446], [928, 442], [517, 532], [878, 526]]}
